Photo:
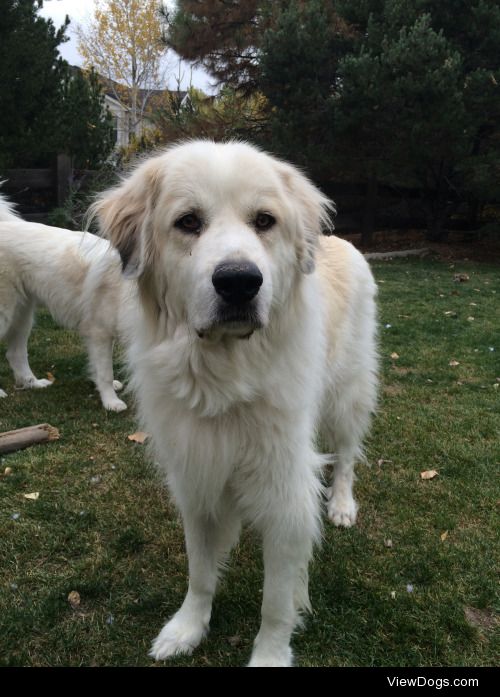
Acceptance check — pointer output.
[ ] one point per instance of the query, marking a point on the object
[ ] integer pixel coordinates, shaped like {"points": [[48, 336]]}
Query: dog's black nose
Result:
{"points": [[237, 282]]}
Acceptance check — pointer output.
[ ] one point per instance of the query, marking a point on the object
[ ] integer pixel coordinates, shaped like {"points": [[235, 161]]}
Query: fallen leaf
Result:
{"points": [[453, 363], [393, 594], [470, 319], [74, 599], [50, 377], [394, 356], [451, 313], [428, 474], [32, 497], [138, 437], [388, 543], [7, 471], [444, 535], [460, 277]]}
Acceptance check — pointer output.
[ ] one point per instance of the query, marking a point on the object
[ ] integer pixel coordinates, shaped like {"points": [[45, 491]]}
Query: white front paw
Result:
{"points": [[32, 384], [114, 405], [342, 510], [177, 637], [41, 384], [271, 659]]}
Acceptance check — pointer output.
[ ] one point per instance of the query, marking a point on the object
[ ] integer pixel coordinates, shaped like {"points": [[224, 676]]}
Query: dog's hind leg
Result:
{"points": [[100, 350], [208, 542], [16, 339], [345, 423]]}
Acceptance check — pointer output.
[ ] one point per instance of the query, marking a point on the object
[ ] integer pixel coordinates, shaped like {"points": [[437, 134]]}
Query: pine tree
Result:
{"points": [[31, 72], [86, 126], [224, 36], [420, 99]]}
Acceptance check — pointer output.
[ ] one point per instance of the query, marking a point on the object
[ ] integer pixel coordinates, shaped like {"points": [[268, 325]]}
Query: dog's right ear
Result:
{"points": [[124, 216]]}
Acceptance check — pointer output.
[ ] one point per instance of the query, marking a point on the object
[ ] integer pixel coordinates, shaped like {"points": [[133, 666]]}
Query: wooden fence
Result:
{"points": [[51, 184]]}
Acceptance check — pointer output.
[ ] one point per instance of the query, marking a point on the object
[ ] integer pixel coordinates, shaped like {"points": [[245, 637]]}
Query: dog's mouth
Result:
{"points": [[237, 322]]}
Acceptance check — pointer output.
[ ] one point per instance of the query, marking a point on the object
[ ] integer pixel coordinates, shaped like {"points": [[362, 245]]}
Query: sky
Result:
{"points": [[81, 11]]}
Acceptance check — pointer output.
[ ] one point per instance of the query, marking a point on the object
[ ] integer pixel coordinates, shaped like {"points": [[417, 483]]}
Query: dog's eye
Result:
{"points": [[264, 221], [189, 223]]}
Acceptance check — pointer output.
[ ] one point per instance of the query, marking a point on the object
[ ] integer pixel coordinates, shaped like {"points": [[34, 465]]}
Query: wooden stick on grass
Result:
{"points": [[24, 437]]}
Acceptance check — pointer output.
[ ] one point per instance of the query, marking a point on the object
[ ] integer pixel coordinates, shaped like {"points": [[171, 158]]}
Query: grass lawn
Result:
{"points": [[412, 585]]}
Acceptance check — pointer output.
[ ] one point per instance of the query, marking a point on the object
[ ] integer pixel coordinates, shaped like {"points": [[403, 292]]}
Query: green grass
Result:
{"points": [[118, 542]]}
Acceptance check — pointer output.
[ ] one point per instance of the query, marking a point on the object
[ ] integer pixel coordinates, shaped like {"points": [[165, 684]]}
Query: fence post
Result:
{"points": [[64, 177]]}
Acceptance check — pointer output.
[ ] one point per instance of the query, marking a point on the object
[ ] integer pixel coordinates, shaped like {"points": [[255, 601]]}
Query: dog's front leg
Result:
{"points": [[207, 542], [285, 593], [288, 536]]}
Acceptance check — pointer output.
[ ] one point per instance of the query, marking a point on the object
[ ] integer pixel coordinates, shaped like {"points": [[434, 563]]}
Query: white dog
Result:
{"points": [[77, 277], [254, 333]]}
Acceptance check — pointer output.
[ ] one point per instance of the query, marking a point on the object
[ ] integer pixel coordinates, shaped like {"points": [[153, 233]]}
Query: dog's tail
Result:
{"points": [[6, 209]]}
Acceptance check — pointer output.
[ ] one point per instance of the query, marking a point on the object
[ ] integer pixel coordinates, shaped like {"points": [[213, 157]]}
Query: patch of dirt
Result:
{"points": [[485, 620], [459, 247], [393, 390], [402, 371]]}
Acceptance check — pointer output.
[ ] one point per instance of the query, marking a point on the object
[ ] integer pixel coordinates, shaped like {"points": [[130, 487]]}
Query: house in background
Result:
{"points": [[122, 121]]}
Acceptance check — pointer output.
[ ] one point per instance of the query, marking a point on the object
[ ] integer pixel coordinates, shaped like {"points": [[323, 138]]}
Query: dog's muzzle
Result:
{"points": [[237, 283]]}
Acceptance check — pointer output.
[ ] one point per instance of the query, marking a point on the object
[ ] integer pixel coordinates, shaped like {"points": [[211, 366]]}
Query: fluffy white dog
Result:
{"points": [[254, 333], [77, 277]]}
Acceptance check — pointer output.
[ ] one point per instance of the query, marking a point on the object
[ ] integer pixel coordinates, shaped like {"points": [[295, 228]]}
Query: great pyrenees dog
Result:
{"points": [[77, 277], [255, 334]]}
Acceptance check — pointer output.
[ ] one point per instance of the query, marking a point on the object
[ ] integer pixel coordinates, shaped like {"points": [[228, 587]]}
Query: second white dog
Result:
{"points": [[77, 277]]}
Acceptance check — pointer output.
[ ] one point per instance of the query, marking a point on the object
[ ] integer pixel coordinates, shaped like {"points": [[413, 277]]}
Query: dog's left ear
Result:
{"points": [[124, 216], [313, 211]]}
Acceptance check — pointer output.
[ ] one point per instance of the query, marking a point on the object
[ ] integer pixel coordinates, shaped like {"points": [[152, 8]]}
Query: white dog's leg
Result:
{"points": [[208, 542], [288, 536], [17, 349], [3, 393], [342, 508], [344, 429], [100, 349], [285, 593]]}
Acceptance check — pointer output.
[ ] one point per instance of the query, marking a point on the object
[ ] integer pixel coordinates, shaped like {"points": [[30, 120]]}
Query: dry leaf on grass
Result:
{"points": [[50, 377], [7, 471], [444, 535], [394, 356], [32, 497], [138, 437], [460, 277], [453, 363], [428, 474], [74, 599]]}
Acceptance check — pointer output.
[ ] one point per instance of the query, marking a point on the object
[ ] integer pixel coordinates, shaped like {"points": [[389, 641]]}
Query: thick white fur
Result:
{"points": [[234, 419], [77, 277]]}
